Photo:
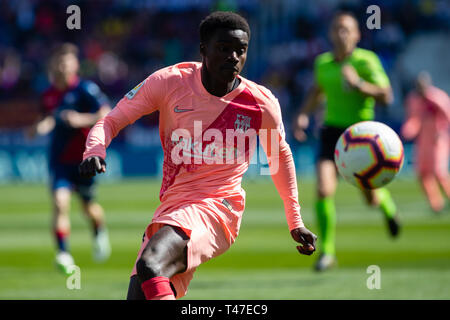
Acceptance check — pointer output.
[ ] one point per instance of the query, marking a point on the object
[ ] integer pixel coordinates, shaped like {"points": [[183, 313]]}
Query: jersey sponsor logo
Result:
{"points": [[177, 109], [188, 150], [211, 146], [135, 90], [242, 123]]}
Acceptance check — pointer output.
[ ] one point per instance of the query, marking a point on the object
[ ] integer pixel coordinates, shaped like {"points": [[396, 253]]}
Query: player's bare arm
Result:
{"points": [[76, 119], [382, 95], [312, 101], [42, 127], [412, 125]]}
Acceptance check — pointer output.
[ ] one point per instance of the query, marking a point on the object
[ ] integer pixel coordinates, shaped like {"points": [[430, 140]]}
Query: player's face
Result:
{"points": [[344, 34], [64, 67], [225, 54]]}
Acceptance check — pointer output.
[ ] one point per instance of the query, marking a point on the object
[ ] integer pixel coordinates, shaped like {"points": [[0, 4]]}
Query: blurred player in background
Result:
{"points": [[70, 107], [201, 202], [428, 122], [350, 79]]}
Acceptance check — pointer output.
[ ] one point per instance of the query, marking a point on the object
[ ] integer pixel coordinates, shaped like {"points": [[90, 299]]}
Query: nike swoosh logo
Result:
{"points": [[178, 109]]}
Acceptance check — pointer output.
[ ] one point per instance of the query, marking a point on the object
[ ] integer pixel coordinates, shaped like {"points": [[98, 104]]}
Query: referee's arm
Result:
{"points": [[382, 94], [312, 101]]}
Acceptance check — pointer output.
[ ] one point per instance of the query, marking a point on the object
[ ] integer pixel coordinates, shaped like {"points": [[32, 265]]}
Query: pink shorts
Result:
{"points": [[208, 236], [432, 156]]}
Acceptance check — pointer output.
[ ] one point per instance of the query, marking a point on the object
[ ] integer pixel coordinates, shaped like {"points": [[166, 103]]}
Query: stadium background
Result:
{"points": [[121, 42]]}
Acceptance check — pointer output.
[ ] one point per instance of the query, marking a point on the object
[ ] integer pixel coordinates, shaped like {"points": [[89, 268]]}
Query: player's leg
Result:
{"points": [[382, 199], [326, 212], [96, 216], [432, 192], [441, 165], [61, 221], [134, 289], [164, 256], [61, 227], [326, 188], [95, 213], [444, 182], [428, 163]]}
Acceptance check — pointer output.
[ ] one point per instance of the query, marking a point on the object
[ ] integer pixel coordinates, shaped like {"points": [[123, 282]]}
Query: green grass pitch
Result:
{"points": [[262, 264]]}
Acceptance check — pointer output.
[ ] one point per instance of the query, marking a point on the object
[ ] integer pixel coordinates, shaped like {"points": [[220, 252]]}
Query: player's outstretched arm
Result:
{"points": [[91, 166], [76, 119], [413, 123], [382, 94], [282, 171], [42, 127], [138, 102], [301, 122], [285, 180]]}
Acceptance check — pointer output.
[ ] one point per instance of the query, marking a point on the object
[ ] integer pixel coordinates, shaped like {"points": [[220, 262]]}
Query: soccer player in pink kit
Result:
{"points": [[428, 121], [204, 107]]}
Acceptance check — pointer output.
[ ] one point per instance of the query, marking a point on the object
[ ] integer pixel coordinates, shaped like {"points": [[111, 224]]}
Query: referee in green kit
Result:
{"points": [[351, 80]]}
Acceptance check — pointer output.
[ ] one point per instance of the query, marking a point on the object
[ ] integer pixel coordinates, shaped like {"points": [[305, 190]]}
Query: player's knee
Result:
{"points": [[92, 209], [424, 174], [61, 206], [371, 198], [147, 267], [61, 201], [372, 201], [442, 176], [321, 194]]}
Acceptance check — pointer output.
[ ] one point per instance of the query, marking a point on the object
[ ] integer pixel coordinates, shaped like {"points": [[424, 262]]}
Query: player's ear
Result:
{"points": [[358, 35], [202, 48]]}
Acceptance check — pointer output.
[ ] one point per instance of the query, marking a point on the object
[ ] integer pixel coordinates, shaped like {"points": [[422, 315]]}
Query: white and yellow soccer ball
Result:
{"points": [[369, 154]]}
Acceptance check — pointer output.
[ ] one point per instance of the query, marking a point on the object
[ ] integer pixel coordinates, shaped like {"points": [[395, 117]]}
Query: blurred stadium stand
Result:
{"points": [[123, 41]]}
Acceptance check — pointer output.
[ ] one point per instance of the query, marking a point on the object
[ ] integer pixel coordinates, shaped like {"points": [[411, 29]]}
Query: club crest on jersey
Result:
{"points": [[242, 123], [133, 91]]}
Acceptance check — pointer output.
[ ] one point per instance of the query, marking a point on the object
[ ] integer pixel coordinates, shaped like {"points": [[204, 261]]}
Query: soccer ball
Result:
{"points": [[369, 154]]}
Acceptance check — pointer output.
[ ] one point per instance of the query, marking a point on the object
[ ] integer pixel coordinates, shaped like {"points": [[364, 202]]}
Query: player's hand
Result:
{"points": [[411, 128], [30, 132], [306, 238], [91, 166], [300, 125], [350, 75]]}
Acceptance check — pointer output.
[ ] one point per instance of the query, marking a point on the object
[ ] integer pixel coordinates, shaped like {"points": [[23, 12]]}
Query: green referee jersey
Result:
{"points": [[346, 106]]}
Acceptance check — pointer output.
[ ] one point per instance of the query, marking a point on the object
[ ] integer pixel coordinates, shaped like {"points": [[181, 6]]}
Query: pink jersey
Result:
{"points": [[194, 127], [428, 120]]}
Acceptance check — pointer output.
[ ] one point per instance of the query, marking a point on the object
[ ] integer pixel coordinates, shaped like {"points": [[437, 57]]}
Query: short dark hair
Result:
{"points": [[341, 13], [61, 50], [64, 48], [222, 20]]}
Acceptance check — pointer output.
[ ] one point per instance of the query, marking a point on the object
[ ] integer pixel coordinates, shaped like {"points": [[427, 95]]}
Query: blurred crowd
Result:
{"points": [[123, 41]]}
